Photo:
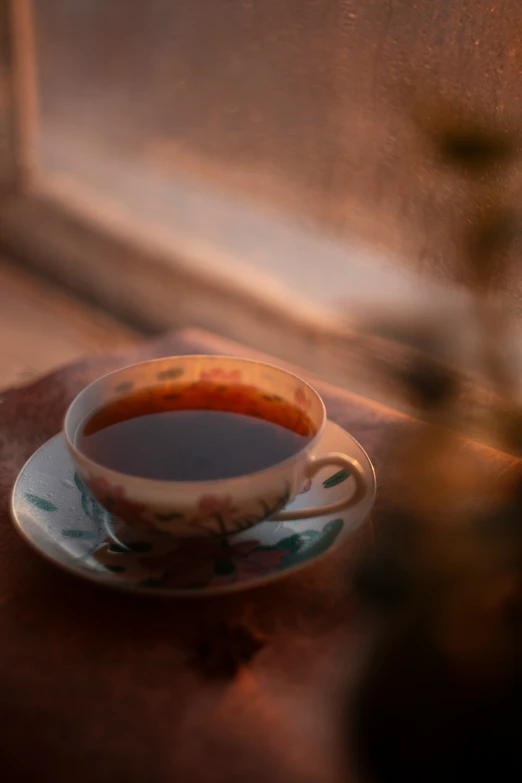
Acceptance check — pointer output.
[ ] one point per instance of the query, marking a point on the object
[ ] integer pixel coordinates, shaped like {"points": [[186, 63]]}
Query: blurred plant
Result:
{"points": [[474, 148], [441, 697]]}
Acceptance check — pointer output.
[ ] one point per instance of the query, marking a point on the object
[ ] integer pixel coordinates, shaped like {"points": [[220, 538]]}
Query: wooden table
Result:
{"points": [[97, 686]]}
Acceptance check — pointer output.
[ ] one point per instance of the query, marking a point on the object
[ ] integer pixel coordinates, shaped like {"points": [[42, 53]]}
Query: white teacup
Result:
{"points": [[208, 508]]}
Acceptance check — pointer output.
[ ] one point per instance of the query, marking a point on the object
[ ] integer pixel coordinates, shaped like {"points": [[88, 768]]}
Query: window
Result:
{"points": [[251, 167]]}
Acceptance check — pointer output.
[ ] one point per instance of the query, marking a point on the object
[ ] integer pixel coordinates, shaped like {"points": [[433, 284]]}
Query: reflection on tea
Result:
{"points": [[194, 432]]}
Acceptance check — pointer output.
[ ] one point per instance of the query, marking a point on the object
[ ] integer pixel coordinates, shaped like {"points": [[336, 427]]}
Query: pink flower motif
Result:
{"points": [[300, 399], [224, 376], [212, 504], [113, 499], [213, 510], [306, 487], [213, 562]]}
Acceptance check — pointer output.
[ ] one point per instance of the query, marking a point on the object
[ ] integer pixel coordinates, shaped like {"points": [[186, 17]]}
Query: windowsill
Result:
{"points": [[42, 328], [276, 258]]}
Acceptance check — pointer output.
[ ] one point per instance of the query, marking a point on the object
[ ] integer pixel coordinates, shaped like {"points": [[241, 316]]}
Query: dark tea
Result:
{"points": [[201, 431]]}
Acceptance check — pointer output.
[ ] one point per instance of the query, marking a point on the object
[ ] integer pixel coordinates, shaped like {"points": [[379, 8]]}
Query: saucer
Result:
{"points": [[57, 516]]}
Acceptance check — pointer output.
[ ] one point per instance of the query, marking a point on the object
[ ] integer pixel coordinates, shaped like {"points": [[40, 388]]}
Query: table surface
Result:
{"points": [[99, 686]]}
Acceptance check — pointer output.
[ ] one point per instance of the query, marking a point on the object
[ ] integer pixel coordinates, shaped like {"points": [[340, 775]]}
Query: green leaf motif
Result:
{"points": [[91, 507], [309, 544], [79, 483], [173, 372], [71, 533], [295, 543], [337, 478], [41, 503]]}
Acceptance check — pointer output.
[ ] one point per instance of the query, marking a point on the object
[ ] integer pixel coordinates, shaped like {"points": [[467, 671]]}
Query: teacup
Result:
{"points": [[218, 507]]}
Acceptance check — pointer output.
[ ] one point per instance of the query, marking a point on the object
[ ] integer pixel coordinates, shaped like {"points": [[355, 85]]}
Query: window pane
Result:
{"points": [[275, 132]]}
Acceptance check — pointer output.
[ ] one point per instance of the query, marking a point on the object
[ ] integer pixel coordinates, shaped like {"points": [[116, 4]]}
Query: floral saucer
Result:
{"points": [[57, 516]]}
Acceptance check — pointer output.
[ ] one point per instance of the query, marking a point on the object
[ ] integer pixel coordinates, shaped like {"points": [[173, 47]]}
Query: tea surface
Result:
{"points": [[198, 432]]}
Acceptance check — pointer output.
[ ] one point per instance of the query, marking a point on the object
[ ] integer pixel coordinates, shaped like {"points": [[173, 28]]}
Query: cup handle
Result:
{"points": [[314, 465]]}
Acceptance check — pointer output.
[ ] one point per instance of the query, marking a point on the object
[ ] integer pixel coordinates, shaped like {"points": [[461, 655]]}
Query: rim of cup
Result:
{"points": [[118, 476]]}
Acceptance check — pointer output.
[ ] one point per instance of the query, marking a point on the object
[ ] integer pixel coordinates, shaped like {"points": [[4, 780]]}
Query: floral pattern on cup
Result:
{"points": [[211, 510], [224, 376], [218, 515], [215, 516], [187, 564], [113, 499]]}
